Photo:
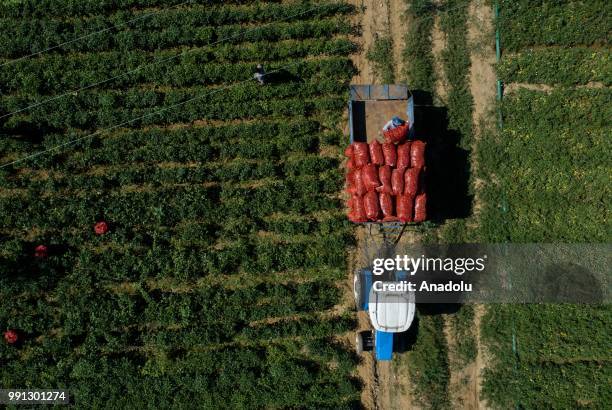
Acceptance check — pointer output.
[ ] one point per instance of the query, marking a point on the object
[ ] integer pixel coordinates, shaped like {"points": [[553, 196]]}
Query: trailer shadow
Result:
{"points": [[448, 171]]}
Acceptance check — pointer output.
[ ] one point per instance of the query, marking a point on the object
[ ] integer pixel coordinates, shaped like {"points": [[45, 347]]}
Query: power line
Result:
{"points": [[68, 143], [162, 60], [87, 35], [76, 140]]}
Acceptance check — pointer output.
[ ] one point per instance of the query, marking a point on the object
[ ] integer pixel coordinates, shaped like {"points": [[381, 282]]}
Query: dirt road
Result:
{"points": [[383, 387]]}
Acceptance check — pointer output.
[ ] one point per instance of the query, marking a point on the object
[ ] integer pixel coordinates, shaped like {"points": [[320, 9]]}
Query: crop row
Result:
{"points": [[525, 23], [238, 376], [73, 8], [187, 109], [453, 198], [17, 43], [137, 97], [189, 75], [205, 305], [182, 202], [181, 145], [57, 73], [567, 66], [417, 54]]}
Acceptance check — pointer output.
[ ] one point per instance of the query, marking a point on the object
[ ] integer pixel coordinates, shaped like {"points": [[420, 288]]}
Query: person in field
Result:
{"points": [[259, 74], [393, 123]]}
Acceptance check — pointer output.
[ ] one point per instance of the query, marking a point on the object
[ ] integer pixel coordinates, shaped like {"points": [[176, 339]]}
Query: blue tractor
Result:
{"points": [[389, 311]]}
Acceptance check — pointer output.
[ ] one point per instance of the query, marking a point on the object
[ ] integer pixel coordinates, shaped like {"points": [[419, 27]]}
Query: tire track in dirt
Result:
{"points": [[483, 81], [513, 87], [373, 18]]}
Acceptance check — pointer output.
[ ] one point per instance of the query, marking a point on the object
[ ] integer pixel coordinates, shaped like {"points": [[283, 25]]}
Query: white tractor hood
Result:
{"points": [[391, 311]]}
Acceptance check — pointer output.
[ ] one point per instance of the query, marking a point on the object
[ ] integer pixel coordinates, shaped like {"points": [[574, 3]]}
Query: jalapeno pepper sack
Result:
{"points": [[403, 155], [357, 211], [358, 186], [369, 175], [350, 181], [397, 181], [384, 175], [349, 151], [420, 208], [376, 153], [386, 204], [411, 181], [360, 154], [390, 154], [370, 203], [417, 154], [404, 208]]}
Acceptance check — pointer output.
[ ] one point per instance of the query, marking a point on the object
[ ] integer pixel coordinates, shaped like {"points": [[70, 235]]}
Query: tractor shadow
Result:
{"points": [[448, 170], [405, 341]]}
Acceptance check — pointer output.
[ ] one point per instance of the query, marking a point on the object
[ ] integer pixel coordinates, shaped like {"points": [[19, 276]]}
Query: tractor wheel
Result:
{"points": [[365, 341], [358, 291]]}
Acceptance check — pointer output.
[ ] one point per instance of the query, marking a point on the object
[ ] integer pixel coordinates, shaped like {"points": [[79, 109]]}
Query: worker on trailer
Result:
{"points": [[393, 123], [259, 74]]}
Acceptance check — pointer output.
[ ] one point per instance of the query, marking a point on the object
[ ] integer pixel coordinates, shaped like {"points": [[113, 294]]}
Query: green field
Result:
{"points": [[215, 283], [549, 177]]}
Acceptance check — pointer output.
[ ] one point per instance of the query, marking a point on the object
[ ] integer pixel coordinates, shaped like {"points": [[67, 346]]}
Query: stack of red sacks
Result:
{"points": [[385, 182]]}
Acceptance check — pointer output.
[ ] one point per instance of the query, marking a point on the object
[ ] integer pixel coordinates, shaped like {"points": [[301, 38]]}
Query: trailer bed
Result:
{"points": [[371, 106]]}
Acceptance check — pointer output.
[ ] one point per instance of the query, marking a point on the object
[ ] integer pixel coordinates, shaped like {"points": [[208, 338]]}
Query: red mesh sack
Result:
{"points": [[397, 181], [397, 134], [41, 251], [350, 164], [358, 186], [384, 174], [403, 155], [411, 181], [360, 154], [420, 208], [348, 151], [101, 228], [404, 208], [417, 154], [370, 177], [370, 203], [357, 211], [350, 181], [386, 204], [390, 154], [376, 154], [11, 337]]}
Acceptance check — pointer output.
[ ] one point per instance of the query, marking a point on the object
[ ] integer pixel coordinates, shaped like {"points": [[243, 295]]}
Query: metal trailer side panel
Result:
{"points": [[410, 115], [350, 110], [383, 342]]}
